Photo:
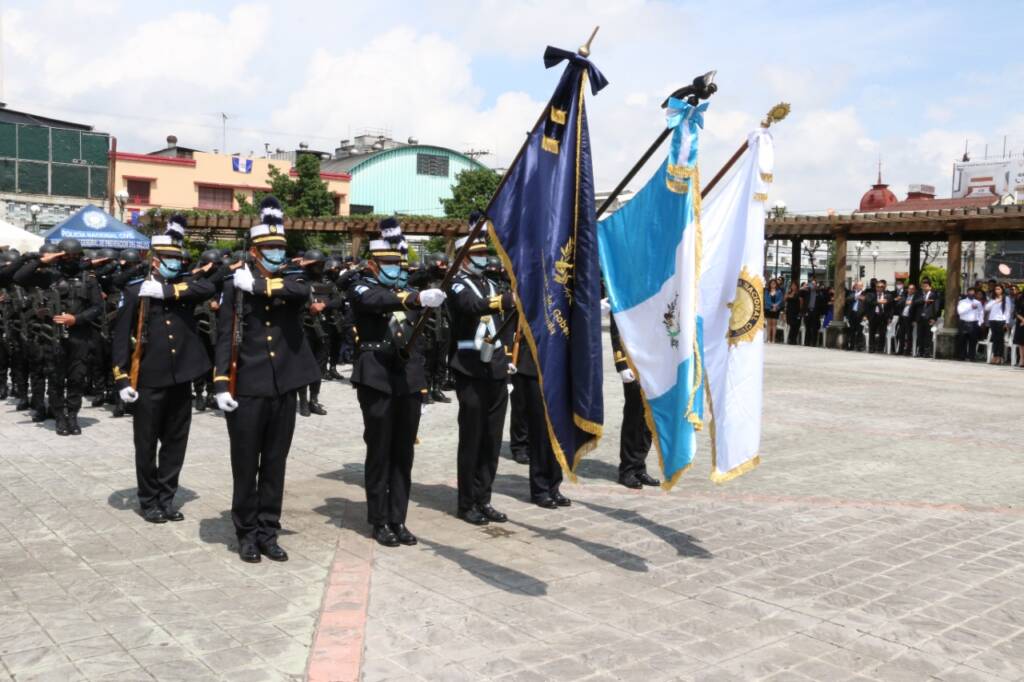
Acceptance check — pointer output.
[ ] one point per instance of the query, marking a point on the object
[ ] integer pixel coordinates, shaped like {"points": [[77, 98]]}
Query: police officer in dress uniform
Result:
{"points": [[635, 440], [390, 387], [170, 358], [72, 304], [480, 365], [274, 360], [545, 472]]}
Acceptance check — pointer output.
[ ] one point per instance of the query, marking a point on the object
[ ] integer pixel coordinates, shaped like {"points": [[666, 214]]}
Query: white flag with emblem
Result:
{"points": [[732, 306]]}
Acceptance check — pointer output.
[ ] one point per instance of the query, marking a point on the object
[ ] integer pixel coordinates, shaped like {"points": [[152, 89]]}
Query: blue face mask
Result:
{"points": [[477, 264], [389, 274], [273, 259], [169, 268], [403, 279]]}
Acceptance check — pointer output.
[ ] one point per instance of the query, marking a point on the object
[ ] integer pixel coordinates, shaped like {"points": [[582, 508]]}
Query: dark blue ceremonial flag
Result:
{"points": [[545, 230]]}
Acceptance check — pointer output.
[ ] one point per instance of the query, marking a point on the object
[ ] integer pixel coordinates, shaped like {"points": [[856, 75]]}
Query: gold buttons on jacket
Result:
{"points": [[267, 323], [270, 338], [167, 322], [271, 353]]}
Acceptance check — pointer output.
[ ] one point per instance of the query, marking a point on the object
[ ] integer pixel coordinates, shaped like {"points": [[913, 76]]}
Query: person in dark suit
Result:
{"points": [[815, 303], [855, 306], [274, 360], [172, 357], [390, 388], [929, 311], [635, 440], [879, 309], [905, 307], [792, 302]]}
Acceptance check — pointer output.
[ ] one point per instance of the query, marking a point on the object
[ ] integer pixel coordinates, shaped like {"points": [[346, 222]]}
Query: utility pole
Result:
{"points": [[224, 132]]}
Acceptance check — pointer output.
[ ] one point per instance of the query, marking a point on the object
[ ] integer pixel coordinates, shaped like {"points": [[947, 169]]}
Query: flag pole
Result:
{"points": [[775, 114], [460, 256], [701, 88]]}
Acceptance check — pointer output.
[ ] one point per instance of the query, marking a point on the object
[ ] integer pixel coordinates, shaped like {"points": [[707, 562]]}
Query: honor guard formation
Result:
{"points": [[253, 333]]}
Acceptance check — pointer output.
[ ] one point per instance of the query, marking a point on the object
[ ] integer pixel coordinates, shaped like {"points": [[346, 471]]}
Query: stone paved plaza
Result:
{"points": [[882, 538]]}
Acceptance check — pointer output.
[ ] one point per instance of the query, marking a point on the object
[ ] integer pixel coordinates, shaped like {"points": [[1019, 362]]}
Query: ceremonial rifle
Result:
{"points": [[460, 256], [140, 341], [236, 322]]}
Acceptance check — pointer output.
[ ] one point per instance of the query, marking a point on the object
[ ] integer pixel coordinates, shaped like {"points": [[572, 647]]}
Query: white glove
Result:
{"points": [[128, 395], [606, 307], [151, 289], [244, 279], [512, 369], [627, 376], [431, 298], [225, 402]]}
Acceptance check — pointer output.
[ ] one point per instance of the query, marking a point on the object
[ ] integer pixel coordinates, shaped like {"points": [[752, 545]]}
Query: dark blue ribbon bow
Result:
{"points": [[554, 56]]}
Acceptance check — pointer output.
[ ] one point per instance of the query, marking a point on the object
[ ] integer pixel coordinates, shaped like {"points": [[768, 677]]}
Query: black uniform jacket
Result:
{"points": [[621, 363], [380, 313], [274, 357], [172, 352], [476, 309], [79, 295], [932, 310]]}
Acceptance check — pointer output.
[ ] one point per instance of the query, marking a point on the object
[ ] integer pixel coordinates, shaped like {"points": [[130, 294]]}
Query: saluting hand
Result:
{"points": [[65, 319], [317, 308], [50, 257]]}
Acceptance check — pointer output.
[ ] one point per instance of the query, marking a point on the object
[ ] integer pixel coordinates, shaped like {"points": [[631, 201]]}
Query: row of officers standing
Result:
{"points": [[254, 336]]}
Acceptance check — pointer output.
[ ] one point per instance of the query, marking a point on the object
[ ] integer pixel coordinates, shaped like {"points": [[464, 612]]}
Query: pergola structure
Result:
{"points": [[952, 225]]}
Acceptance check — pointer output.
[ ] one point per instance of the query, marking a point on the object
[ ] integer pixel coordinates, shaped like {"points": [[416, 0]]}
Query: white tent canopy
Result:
{"points": [[17, 238]]}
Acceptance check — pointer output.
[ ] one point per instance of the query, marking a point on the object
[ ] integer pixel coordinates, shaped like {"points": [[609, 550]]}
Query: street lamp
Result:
{"points": [[35, 209], [874, 264], [122, 199], [778, 210]]}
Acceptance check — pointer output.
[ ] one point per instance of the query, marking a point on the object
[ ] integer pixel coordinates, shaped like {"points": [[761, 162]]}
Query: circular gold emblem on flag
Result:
{"points": [[747, 317]]}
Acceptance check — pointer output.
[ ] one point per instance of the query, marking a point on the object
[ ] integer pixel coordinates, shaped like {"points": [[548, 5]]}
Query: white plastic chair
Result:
{"points": [[890, 336]]}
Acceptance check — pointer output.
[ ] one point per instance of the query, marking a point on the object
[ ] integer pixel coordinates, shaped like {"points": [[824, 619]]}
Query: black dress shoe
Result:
{"points": [[474, 516], [199, 404], [493, 514], [332, 374], [118, 409], [440, 397], [62, 425], [647, 479], [521, 457], [73, 428], [98, 402], [384, 536], [317, 408], [273, 551], [154, 515], [545, 502], [249, 552], [631, 482], [21, 406], [304, 407], [173, 515], [402, 533], [38, 417], [561, 500]]}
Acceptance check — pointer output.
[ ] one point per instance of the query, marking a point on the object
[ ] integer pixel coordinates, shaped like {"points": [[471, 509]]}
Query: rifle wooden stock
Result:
{"points": [[140, 327]]}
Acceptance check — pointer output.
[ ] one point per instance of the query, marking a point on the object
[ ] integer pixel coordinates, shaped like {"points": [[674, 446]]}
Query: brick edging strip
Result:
{"points": [[337, 651]]}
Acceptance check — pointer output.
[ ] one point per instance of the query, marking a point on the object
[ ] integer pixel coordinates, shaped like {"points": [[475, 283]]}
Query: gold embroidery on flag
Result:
{"points": [[760, 196], [558, 116], [549, 144], [767, 177]]}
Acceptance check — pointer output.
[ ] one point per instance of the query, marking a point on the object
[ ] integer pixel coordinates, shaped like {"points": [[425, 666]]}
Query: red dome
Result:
{"points": [[877, 198]]}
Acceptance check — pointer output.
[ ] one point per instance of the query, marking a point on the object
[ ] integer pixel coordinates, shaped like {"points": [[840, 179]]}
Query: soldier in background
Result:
{"points": [[205, 312], [437, 333], [334, 317], [105, 265], [635, 441], [72, 304], [37, 334], [322, 294]]}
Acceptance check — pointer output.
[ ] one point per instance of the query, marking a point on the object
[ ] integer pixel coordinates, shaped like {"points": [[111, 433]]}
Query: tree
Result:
{"points": [[936, 275], [472, 191], [305, 196]]}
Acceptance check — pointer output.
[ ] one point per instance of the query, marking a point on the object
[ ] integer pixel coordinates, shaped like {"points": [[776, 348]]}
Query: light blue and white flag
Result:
{"points": [[240, 165], [650, 257]]}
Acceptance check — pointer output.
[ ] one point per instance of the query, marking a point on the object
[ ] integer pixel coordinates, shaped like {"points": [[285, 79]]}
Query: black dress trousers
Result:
{"points": [[390, 424], [518, 428], [261, 434], [164, 416], [482, 406], [635, 441], [545, 473]]}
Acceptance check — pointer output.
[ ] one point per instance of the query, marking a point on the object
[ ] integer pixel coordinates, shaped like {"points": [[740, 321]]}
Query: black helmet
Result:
{"points": [[131, 256], [210, 256], [237, 256], [48, 247], [332, 263], [106, 253], [72, 248], [315, 255]]}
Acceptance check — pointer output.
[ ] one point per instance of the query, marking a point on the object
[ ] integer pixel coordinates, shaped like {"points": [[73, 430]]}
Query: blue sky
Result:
{"points": [[907, 82]]}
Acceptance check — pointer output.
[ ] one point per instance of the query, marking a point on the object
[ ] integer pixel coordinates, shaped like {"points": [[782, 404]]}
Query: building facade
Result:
{"points": [[390, 177], [49, 168], [180, 178]]}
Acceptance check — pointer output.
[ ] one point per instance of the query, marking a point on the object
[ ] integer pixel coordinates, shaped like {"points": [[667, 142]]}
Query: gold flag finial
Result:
{"points": [[776, 114], [584, 50]]}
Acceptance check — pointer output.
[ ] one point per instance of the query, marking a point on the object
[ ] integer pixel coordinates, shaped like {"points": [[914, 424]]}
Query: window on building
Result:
{"points": [[432, 164], [138, 191], [215, 198]]}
